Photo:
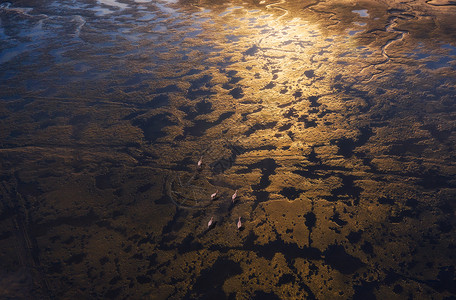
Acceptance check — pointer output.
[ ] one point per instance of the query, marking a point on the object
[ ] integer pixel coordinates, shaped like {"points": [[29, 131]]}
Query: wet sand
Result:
{"points": [[333, 120]]}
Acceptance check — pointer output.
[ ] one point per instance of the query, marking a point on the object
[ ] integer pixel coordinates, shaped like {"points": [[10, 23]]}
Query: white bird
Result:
{"points": [[239, 223], [200, 162], [214, 195], [210, 222], [234, 196]]}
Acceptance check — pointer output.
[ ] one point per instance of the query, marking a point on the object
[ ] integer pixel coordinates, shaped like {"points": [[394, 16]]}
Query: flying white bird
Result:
{"points": [[239, 223], [214, 195], [200, 162], [234, 196], [209, 224]]}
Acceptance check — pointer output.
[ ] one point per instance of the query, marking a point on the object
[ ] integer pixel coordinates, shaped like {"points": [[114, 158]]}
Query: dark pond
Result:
{"points": [[334, 121]]}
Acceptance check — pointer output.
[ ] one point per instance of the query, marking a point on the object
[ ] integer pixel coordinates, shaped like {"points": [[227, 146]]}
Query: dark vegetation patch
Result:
{"points": [[290, 113], [224, 164], [46, 124], [347, 145], [431, 179], [103, 260], [134, 114], [290, 192], [244, 115], [398, 289], [445, 226], [286, 115], [309, 73], [162, 200], [87, 220], [314, 101], [203, 107], [252, 50], [69, 241], [231, 73], [269, 86], [383, 200], [168, 89], [297, 94], [391, 277], [313, 158], [285, 127], [173, 224], [243, 171], [256, 127], [406, 147], [411, 203], [400, 216], [146, 240], [104, 182], [184, 164], [365, 291], [336, 219], [286, 278], [291, 251], [113, 293], [446, 280], [157, 102], [227, 86], [152, 126], [367, 248], [318, 171], [261, 295], [144, 188], [210, 282], [200, 126], [189, 244], [200, 87], [193, 72], [267, 167], [440, 135], [337, 258], [143, 279], [261, 196], [203, 81], [354, 236], [348, 189], [76, 258], [234, 80], [307, 123], [237, 93], [311, 220], [264, 147]]}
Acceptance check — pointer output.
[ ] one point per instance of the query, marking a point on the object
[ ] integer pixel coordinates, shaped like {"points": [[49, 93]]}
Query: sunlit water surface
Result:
{"points": [[334, 121]]}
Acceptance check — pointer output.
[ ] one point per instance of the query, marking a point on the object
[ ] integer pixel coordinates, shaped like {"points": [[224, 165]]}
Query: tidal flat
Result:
{"points": [[334, 121]]}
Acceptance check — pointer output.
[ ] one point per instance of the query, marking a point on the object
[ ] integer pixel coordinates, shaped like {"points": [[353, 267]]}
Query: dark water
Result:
{"points": [[333, 120]]}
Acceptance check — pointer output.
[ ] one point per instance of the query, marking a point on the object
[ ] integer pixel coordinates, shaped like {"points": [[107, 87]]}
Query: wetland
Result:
{"points": [[334, 121]]}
